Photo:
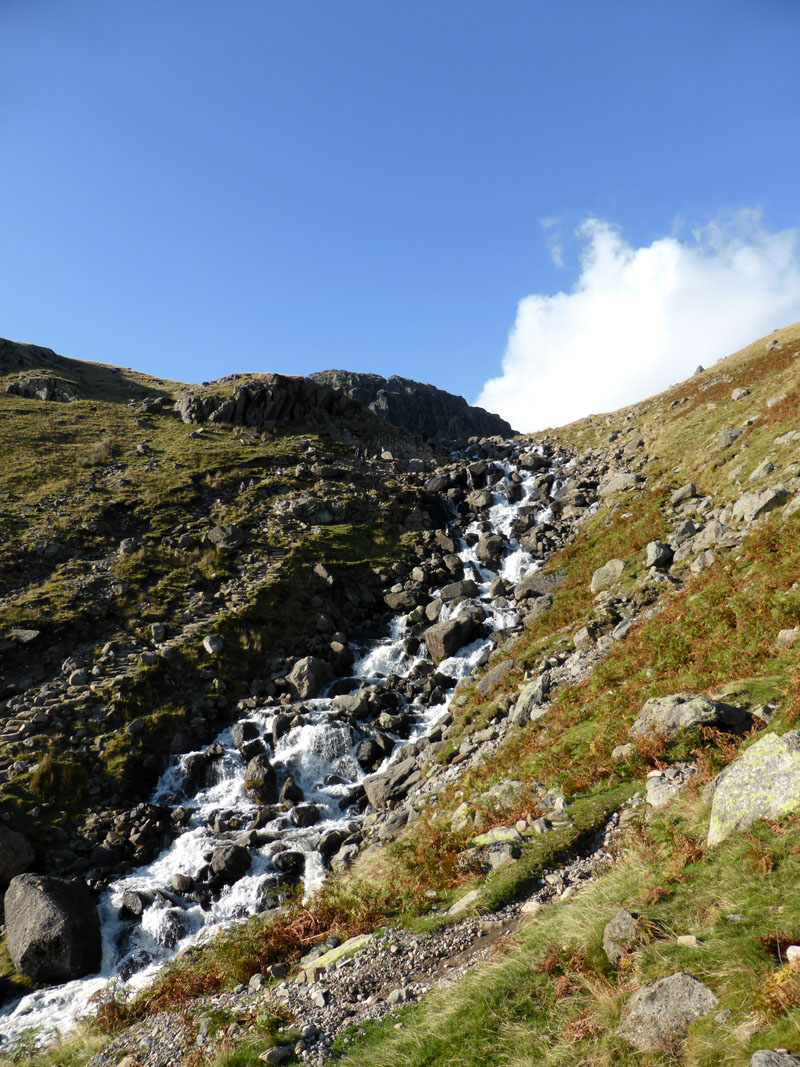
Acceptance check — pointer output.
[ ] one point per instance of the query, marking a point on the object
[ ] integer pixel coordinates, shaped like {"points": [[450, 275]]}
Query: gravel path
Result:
{"points": [[393, 969]]}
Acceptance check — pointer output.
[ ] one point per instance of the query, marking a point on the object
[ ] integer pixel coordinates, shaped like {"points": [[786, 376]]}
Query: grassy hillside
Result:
{"points": [[83, 478], [710, 626]]}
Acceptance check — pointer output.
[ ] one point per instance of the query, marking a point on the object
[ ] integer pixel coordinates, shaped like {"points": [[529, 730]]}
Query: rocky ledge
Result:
{"points": [[417, 408]]}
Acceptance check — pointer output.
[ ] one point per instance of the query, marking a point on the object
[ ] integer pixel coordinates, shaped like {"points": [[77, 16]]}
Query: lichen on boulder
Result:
{"points": [[763, 784]]}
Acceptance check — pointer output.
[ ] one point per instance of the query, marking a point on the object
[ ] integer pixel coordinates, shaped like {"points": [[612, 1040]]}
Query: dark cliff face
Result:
{"points": [[415, 407]]}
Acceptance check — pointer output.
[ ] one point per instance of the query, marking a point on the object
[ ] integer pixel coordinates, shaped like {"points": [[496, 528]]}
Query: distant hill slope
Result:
{"points": [[38, 373], [416, 407]]}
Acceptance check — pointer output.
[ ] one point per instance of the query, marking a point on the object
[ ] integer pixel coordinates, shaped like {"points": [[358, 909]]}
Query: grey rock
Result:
{"points": [[763, 784], [618, 482], [532, 461], [667, 716], [539, 583], [703, 562], [621, 935], [404, 600], [466, 589], [495, 676], [657, 554], [278, 1054], [291, 792], [786, 638], [658, 1016], [291, 862], [417, 408], [230, 862], [44, 387], [725, 438], [489, 549], [713, 533], [266, 401], [583, 637], [767, 1057], [751, 506], [532, 697], [446, 638], [607, 575], [764, 468], [260, 781], [393, 784], [213, 644], [134, 902], [225, 536], [539, 606], [53, 928], [686, 492], [304, 815], [309, 676], [684, 530], [244, 730]]}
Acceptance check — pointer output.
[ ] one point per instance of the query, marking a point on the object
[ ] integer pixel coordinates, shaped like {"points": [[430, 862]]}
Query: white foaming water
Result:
{"points": [[320, 754]]}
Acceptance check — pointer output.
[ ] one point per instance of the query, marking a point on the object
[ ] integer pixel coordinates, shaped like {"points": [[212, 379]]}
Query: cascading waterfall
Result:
{"points": [[319, 752]]}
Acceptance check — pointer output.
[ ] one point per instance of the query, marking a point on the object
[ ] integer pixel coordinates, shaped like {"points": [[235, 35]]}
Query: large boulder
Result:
{"points": [[446, 638], [45, 387], [539, 583], [52, 927], [465, 589], [16, 854], [489, 550], [260, 780], [666, 716], [657, 1017], [230, 862], [531, 698], [618, 482], [391, 786], [763, 784], [607, 575], [751, 506], [228, 536], [308, 677]]}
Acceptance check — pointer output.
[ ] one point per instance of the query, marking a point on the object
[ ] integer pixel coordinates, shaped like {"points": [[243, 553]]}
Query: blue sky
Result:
{"points": [[196, 188]]}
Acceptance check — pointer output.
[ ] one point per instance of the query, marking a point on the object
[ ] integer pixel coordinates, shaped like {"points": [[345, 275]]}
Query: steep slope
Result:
{"points": [[416, 408], [561, 776]]}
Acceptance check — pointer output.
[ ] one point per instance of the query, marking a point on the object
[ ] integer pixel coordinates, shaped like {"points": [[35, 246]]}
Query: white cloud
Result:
{"points": [[639, 319]]}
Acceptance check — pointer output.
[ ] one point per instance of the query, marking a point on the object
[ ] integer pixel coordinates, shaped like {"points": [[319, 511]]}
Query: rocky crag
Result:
{"points": [[625, 747], [416, 408]]}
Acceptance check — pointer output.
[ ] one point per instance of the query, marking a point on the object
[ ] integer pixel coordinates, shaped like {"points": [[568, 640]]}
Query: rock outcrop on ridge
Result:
{"points": [[263, 401], [416, 407]]}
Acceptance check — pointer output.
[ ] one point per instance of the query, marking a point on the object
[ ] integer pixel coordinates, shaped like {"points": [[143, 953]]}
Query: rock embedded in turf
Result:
{"points": [[763, 784], [665, 717], [658, 1015]]}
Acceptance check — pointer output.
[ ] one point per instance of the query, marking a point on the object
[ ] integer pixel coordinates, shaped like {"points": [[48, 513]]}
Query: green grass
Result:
{"points": [[554, 999]]}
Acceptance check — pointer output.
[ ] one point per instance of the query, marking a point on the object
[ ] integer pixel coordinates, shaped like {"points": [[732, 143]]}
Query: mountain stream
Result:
{"points": [[319, 752]]}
